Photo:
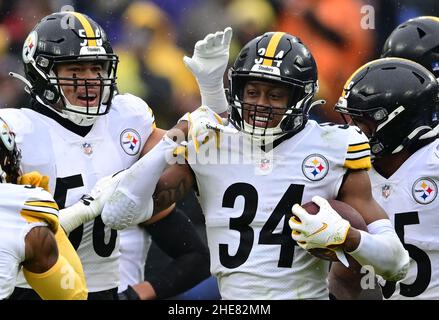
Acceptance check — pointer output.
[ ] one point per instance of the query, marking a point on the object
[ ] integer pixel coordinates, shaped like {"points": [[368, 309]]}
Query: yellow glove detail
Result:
{"points": [[35, 179]]}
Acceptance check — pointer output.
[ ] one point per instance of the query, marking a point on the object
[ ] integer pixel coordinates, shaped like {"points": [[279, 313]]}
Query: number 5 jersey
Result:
{"points": [[409, 197]]}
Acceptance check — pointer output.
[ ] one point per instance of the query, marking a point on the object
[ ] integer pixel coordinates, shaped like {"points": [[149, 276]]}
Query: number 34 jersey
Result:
{"points": [[74, 164], [247, 198], [410, 199]]}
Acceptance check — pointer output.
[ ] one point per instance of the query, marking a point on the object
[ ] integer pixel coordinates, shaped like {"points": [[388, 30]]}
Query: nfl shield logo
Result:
{"points": [[265, 164], [87, 148], [385, 191]]}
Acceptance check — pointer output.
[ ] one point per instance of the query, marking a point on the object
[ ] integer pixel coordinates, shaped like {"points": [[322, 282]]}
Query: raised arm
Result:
{"points": [[134, 192]]}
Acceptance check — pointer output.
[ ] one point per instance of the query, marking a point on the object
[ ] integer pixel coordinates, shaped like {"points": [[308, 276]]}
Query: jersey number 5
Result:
{"points": [[423, 276], [101, 248], [267, 236]]}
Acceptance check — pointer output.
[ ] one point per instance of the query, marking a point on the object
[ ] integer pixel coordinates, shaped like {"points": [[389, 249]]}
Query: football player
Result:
{"points": [[30, 235], [398, 175], [250, 180], [78, 130], [401, 120]]}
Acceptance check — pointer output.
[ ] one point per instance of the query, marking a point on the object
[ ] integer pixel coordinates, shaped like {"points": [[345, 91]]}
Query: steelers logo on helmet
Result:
{"points": [[29, 47], [70, 38], [315, 167], [424, 190], [130, 141], [7, 136]]}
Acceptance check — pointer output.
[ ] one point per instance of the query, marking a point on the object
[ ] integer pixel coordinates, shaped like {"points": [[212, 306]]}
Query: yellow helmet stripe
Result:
{"points": [[89, 32], [430, 17], [271, 49]]}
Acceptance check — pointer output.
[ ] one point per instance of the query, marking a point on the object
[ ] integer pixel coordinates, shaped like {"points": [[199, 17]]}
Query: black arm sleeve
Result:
{"points": [[177, 237]]}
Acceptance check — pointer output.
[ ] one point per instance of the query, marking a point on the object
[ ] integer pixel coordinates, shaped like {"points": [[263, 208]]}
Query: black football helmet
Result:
{"points": [[418, 40], [400, 97], [10, 155], [279, 58], [69, 37]]}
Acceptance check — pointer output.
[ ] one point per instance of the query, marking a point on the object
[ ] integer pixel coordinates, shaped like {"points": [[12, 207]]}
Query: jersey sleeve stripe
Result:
{"points": [[358, 147], [356, 164], [43, 203], [358, 158], [352, 152], [48, 215], [40, 212], [358, 155]]}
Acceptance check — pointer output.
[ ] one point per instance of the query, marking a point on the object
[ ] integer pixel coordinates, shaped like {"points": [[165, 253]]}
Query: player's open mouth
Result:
{"points": [[90, 100]]}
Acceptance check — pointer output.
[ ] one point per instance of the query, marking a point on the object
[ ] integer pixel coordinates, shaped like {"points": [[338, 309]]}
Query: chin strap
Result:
{"points": [[316, 103], [78, 119], [28, 85], [430, 134]]}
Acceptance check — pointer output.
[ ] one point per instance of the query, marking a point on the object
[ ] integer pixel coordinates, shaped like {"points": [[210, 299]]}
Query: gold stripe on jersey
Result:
{"points": [[356, 164], [358, 156], [37, 211], [151, 113], [271, 49], [359, 163], [89, 32], [358, 147]]}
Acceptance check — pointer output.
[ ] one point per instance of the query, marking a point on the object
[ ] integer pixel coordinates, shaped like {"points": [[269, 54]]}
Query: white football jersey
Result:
{"points": [[247, 203], [135, 242], [409, 197], [74, 164], [22, 208]]}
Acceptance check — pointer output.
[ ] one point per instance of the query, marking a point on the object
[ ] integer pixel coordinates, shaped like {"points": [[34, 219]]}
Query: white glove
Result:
{"points": [[205, 125], [89, 206], [326, 228], [208, 64]]}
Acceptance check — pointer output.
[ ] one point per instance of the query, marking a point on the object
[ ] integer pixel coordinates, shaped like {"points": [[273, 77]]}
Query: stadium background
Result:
{"points": [[151, 38]]}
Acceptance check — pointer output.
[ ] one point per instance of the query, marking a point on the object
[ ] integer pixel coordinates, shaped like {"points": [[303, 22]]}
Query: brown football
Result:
{"points": [[346, 212]]}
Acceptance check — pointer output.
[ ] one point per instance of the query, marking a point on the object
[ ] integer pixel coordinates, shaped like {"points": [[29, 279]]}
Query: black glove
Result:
{"points": [[129, 294]]}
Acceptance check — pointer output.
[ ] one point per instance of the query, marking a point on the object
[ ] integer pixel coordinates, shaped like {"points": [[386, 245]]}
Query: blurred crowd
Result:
{"points": [[151, 38]]}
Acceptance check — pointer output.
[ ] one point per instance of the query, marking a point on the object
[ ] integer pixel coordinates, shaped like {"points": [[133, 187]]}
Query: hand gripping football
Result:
{"points": [[346, 212]]}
